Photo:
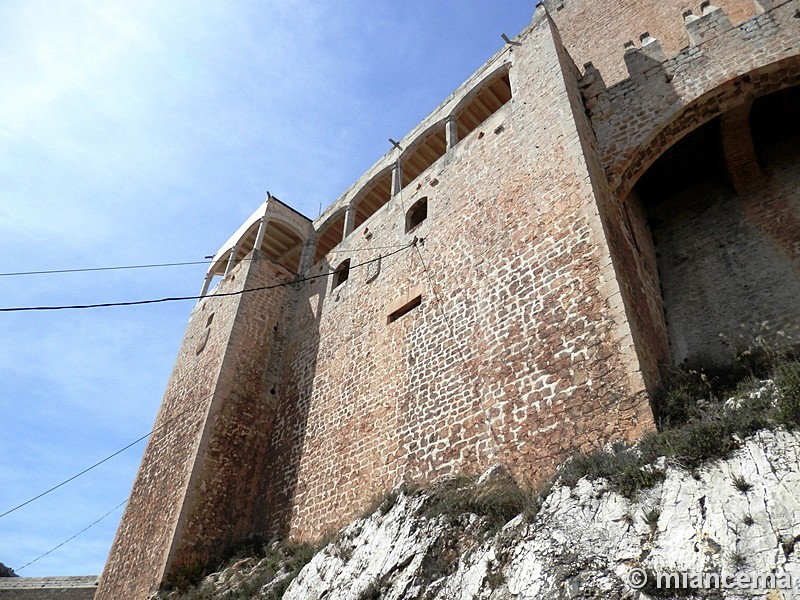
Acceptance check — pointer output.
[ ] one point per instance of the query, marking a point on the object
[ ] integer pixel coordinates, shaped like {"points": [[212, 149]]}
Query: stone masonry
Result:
{"points": [[48, 588], [507, 285]]}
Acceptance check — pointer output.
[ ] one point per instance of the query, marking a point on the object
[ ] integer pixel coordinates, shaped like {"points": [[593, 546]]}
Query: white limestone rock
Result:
{"points": [[585, 541], [737, 516]]}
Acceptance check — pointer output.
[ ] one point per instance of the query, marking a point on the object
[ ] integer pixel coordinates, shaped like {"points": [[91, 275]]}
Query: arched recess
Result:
{"points": [[281, 242], [711, 263], [679, 121], [341, 273], [417, 214], [425, 150], [217, 269], [329, 235], [373, 196], [483, 101]]}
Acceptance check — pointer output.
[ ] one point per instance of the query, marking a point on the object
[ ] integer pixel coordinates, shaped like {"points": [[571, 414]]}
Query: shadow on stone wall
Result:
{"points": [[295, 387]]}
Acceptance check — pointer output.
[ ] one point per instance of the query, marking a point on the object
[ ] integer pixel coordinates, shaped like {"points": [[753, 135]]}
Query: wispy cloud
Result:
{"points": [[144, 131]]}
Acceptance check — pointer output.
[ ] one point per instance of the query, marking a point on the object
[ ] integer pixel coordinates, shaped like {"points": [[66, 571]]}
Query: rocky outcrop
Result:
{"points": [[717, 528], [739, 516]]}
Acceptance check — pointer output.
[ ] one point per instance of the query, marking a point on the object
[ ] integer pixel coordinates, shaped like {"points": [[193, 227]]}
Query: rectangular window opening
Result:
{"points": [[404, 309]]}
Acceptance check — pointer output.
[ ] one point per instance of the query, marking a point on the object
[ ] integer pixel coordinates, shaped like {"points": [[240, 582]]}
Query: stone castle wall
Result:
{"points": [[198, 486], [524, 319], [597, 31], [516, 353], [637, 119], [728, 277]]}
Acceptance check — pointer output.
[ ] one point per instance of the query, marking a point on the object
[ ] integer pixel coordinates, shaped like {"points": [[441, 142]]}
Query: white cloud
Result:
{"points": [[146, 131]]}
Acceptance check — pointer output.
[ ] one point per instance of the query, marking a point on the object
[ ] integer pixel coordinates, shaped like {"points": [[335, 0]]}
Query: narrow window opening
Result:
{"points": [[341, 274], [404, 309], [416, 214]]}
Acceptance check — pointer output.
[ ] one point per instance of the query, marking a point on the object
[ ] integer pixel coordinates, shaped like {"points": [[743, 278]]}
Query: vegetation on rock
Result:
{"points": [[703, 415], [252, 568]]}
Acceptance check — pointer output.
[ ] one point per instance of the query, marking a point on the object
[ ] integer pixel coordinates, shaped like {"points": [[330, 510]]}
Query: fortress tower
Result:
{"points": [[505, 286]]}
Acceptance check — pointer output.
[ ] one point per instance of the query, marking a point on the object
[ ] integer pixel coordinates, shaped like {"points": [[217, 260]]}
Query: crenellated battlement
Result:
{"points": [[639, 117], [597, 31], [712, 22]]}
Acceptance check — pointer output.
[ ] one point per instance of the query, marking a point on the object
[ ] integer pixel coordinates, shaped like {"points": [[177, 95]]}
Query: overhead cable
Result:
{"points": [[184, 298]]}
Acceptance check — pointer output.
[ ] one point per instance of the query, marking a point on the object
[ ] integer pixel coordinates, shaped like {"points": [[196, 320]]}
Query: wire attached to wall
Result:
{"points": [[157, 265], [150, 433], [191, 406], [115, 268], [184, 298]]}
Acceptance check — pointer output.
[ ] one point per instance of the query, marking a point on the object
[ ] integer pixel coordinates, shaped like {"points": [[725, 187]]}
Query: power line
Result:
{"points": [[153, 431], [118, 452], [55, 487], [115, 268], [69, 539], [184, 298], [185, 410], [155, 265], [86, 470]]}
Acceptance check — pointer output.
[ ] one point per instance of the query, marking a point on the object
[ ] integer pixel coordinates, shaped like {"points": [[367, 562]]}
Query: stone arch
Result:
{"points": [[706, 231], [426, 149], [677, 122], [217, 268], [281, 241], [483, 100], [375, 194], [329, 234], [341, 273], [416, 214], [288, 223]]}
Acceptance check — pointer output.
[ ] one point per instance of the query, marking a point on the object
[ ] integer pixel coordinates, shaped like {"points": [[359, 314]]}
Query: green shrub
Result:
{"points": [[535, 499], [499, 501], [282, 559], [186, 576], [700, 429], [625, 471], [787, 378]]}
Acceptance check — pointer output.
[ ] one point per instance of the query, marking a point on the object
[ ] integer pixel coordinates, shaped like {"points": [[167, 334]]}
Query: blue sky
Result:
{"points": [[146, 132]]}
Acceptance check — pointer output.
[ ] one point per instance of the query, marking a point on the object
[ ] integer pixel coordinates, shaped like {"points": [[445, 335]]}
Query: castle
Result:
{"points": [[506, 285]]}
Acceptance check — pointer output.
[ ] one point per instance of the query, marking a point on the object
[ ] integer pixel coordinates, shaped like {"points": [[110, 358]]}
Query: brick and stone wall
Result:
{"points": [[198, 486], [523, 320], [639, 118], [597, 31], [519, 351], [727, 278]]}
